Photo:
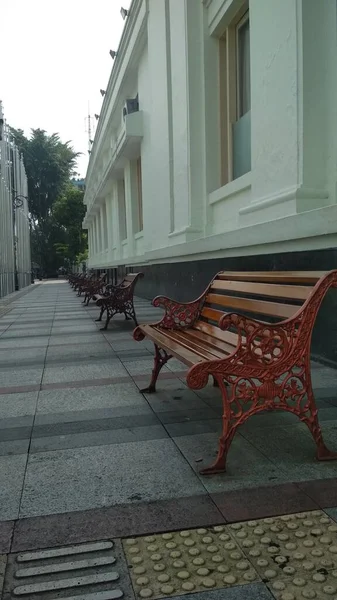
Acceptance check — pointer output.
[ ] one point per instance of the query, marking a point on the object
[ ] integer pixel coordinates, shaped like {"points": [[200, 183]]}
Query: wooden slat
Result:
{"points": [[215, 344], [300, 277], [290, 292], [212, 314], [184, 338], [261, 307], [216, 333], [186, 356]]}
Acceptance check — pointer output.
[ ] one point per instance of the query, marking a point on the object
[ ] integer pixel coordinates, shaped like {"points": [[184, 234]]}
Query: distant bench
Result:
{"points": [[118, 299], [258, 365]]}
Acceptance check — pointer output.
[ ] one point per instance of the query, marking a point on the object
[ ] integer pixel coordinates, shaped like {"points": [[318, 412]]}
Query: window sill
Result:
{"points": [[231, 188], [139, 235], [124, 242]]}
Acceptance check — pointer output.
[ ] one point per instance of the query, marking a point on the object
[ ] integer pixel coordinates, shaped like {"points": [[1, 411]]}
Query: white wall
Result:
{"points": [[173, 65]]}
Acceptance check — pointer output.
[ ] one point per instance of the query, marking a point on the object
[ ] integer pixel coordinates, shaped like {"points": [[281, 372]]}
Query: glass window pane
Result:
{"points": [[244, 68]]}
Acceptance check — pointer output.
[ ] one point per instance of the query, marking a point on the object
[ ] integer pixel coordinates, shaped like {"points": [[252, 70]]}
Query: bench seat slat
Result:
{"points": [[289, 292], [175, 348], [215, 344], [197, 345], [261, 307], [216, 332]]}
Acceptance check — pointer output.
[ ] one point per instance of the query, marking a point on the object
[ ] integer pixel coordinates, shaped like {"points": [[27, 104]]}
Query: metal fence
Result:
{"points": [[15, 259]]}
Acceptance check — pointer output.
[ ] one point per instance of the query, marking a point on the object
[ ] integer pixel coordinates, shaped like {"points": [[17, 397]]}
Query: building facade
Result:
{"points": [[216, 145], [15, 260]]}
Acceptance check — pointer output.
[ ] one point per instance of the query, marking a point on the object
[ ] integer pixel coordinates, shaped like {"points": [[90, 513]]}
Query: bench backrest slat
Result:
{"points": [[259, 307], [289, 292], [272, 295]]}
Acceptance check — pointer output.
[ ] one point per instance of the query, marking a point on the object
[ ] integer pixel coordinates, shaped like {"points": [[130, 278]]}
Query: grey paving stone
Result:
{"points": [[20, 357], [99, 370], [292, 449], [80, 479], [117, 413], [29, 342], [175, 397], [9, 448], [94, 424], [77, 338], [192, 428], [255, 591], [86, 328], [27, 333], [97, 438], [101, 349], [246, 466], [332, 512], [18, 377], [115, 396], [15, 433], [139, 367], [12, 471], [17, 405], [324, 377]]}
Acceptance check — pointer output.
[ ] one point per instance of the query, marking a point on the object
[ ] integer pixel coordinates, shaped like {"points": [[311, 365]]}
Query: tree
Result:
{"points": [[56, 206]]}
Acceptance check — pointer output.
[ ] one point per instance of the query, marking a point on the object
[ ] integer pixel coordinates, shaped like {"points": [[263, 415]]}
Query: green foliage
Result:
{"points": [[56, 206]]}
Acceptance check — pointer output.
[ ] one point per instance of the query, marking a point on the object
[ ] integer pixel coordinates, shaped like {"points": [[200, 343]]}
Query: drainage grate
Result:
{"points": [[82, 572]]}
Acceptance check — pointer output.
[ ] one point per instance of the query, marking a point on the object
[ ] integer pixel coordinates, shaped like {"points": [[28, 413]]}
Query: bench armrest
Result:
{"points": [[178, 315]]}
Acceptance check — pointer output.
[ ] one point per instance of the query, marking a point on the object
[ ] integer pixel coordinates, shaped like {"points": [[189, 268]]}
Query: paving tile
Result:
{"points": [[77, 338], [27, 333], [115, 521], [187, 561], [26, 342], [93, 477], [324, 377], [18, 405], [14, 446], [293, 450], [294, 554], [176, 397], [98, 569], [96, 438], [261, 502], [323, 491], [117, 396], [86, 328], [24, 389], [246, 466], [9, 377], [6, 533], [140, 367], [254, 591], [107, 368], [71, 426], [12, 471], [71, 351], [22, 357]]}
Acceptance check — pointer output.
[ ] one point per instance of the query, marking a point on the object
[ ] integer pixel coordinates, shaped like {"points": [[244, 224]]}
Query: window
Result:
{"points": [[139, 194], [122, 210], [235, 92]]}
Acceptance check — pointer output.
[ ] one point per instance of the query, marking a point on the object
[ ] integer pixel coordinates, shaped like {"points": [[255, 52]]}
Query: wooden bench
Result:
{"points": [[258, 365], [119, 299], [93, 287]]}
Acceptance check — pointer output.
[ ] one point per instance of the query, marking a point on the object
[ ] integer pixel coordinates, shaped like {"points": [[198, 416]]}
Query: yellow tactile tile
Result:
{"points": [[187, 561], [295, 555]]}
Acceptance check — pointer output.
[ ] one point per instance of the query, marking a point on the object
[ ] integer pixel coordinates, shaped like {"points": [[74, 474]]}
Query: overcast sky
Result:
{"points": [[54, 60]]}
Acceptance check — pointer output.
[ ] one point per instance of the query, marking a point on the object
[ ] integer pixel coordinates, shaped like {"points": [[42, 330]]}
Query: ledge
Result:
{"points": [[231, 188], [139, 235]]}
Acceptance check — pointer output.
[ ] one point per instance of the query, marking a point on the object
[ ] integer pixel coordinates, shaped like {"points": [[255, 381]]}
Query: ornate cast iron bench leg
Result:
{"points": [[160, 359], [101, 314]]}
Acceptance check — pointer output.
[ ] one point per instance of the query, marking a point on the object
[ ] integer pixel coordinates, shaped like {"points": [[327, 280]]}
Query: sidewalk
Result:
{"points": [[84, 457]]}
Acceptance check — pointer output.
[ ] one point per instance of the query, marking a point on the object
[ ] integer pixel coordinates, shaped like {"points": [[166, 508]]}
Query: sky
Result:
{"points": [[54, 61]]}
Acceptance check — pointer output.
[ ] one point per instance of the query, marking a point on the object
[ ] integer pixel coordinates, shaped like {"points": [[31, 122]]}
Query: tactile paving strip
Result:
{"points": [[61, 573], [186, 562], [294, 555]]}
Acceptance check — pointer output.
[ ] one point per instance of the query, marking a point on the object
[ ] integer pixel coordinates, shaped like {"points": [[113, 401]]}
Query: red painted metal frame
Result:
{"points": [[268, 370], [119, 301]]}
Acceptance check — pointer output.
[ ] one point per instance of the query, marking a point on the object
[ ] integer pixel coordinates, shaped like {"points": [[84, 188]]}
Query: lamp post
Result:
{"points": [[17, 203]]}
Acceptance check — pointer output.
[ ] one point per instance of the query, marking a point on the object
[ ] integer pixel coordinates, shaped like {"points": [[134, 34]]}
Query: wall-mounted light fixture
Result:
{"points": [[124, 13], [113, 53], [96, 117], [102, 92]]}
